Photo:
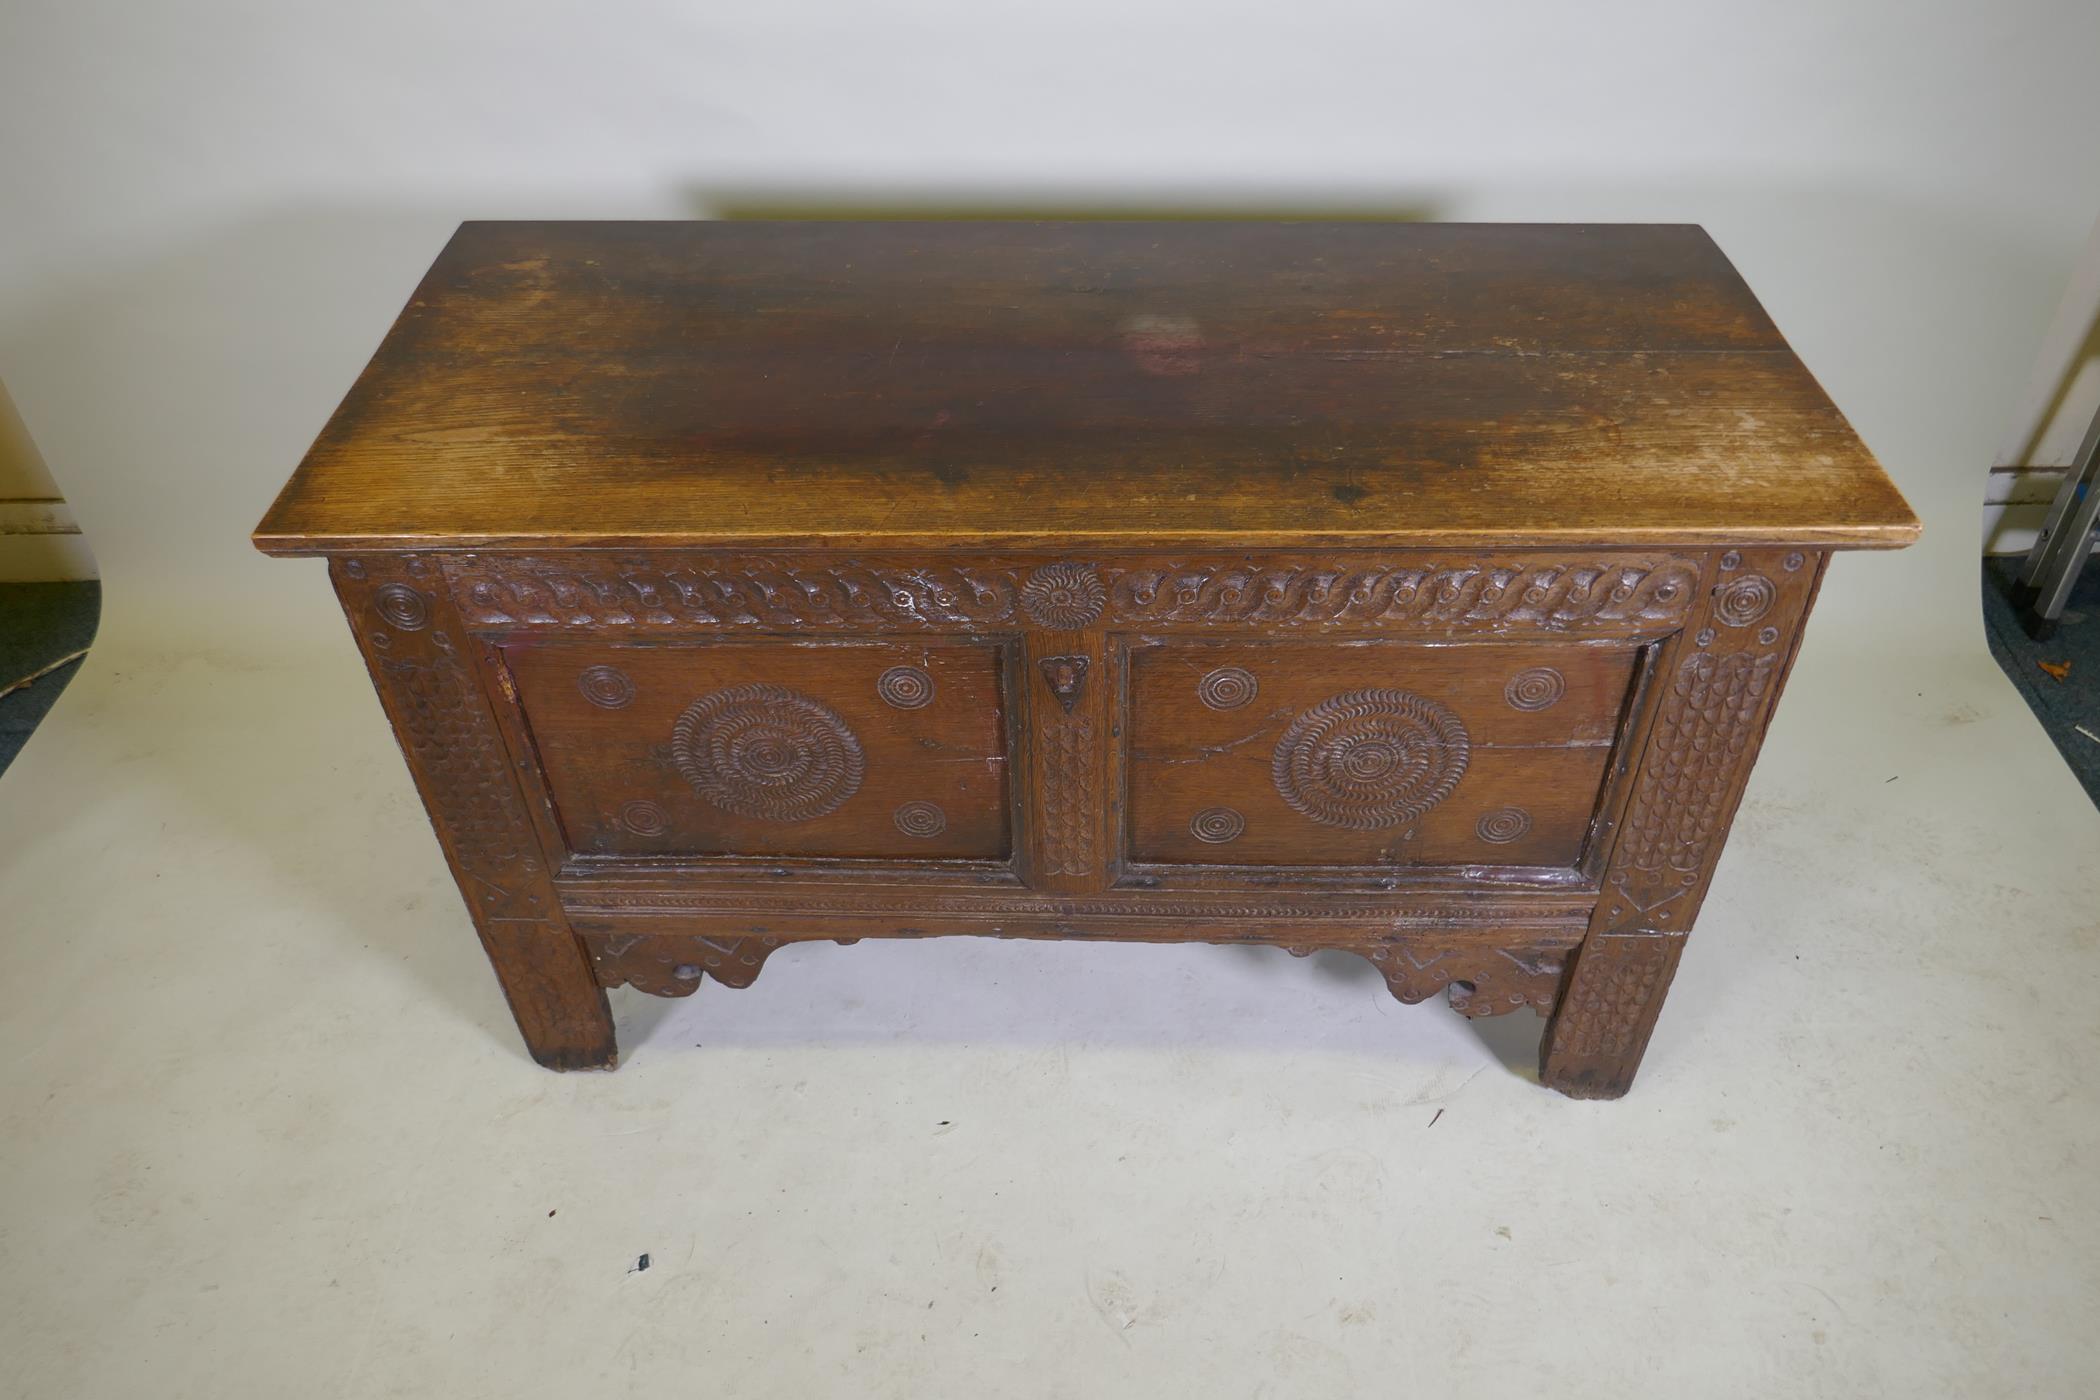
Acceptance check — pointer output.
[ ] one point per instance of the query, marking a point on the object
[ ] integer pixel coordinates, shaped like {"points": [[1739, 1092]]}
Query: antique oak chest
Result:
{"points": [[1417, 590]]}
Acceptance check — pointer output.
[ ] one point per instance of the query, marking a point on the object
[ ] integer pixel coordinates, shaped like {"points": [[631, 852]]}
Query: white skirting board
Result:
{"points": [[2013, 506], [40, 542]]}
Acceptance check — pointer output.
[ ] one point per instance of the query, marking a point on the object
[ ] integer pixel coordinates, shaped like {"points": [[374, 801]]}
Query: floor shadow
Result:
{"points": [[2056, 671], [45, 631]]}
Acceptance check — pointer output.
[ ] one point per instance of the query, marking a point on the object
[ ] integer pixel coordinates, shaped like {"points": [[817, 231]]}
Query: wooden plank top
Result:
{"points": [[1103, 384]]}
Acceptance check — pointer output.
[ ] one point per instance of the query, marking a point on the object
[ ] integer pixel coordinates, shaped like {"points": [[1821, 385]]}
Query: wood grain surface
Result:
{"points": [[961, 384]]}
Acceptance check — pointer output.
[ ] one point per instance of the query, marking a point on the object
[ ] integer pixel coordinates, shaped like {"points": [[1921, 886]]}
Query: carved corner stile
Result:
{"points": [[1719, 682], [412, 641]]}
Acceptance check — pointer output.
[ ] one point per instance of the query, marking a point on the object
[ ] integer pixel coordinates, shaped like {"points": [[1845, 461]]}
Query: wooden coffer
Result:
{"points": [[1418, 757], [1420, 592]]}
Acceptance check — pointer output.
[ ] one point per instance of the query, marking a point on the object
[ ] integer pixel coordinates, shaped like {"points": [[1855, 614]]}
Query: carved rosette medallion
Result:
{"points": [[1740, 602], [1064, 596], [401, 606], [644, 818], [1500, 827], [1536, 689], [1227, 688], [767, 752], [920, 819], [905, 687], [1368, 759], [607, 687], [1217, 825]]}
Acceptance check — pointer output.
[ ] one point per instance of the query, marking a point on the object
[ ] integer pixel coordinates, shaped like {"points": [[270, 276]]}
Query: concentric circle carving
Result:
{"points": [[1367, 759], [1217, 825], [1504, 826], [767, 752], [607, 687], [1064, 595], [644, 818], [402, 606], [1535, 689], [921, 819], [1227, 688], [1745, 600], [906, 687]]}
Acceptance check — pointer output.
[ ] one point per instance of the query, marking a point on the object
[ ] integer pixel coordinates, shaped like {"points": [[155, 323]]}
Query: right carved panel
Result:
{"points": [[1370, 754]]}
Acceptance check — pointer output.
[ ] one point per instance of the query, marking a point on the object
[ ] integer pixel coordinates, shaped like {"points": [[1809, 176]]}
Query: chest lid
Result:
{"points": [[928, 385]]}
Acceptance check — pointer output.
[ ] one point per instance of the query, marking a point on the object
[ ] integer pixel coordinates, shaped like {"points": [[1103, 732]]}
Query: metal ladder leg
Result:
{"points": [[2066, 539]]}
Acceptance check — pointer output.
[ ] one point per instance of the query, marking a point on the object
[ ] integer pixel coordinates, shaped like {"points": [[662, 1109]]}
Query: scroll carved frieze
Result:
{"points": [[1368, 759], [1551, 597], [1564, 595], [767, 752], [774, 593]]}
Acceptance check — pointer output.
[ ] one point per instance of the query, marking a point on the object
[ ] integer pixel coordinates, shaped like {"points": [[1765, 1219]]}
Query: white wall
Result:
{"points": [[212, 210], [2056, 407], [39, 540]]}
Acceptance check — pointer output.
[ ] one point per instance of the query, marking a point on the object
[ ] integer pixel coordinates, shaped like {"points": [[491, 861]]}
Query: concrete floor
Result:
{"points": [[268, 1130]]}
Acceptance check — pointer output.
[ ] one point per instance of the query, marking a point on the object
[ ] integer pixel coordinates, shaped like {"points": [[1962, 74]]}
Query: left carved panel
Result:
{"points": [[846, 749], [411, 640]]}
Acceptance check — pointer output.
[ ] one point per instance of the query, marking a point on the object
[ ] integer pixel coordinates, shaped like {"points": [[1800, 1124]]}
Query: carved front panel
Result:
{"points": [[1370, 754], [839, 749]]}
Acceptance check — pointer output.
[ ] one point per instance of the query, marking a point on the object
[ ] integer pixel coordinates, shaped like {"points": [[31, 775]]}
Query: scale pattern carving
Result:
{"points": [[1367, 759], [737, 592], [1547, 596], [458, 755], [767, 752], [1067, 782], [1680, 804], [1606, 1007]]}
